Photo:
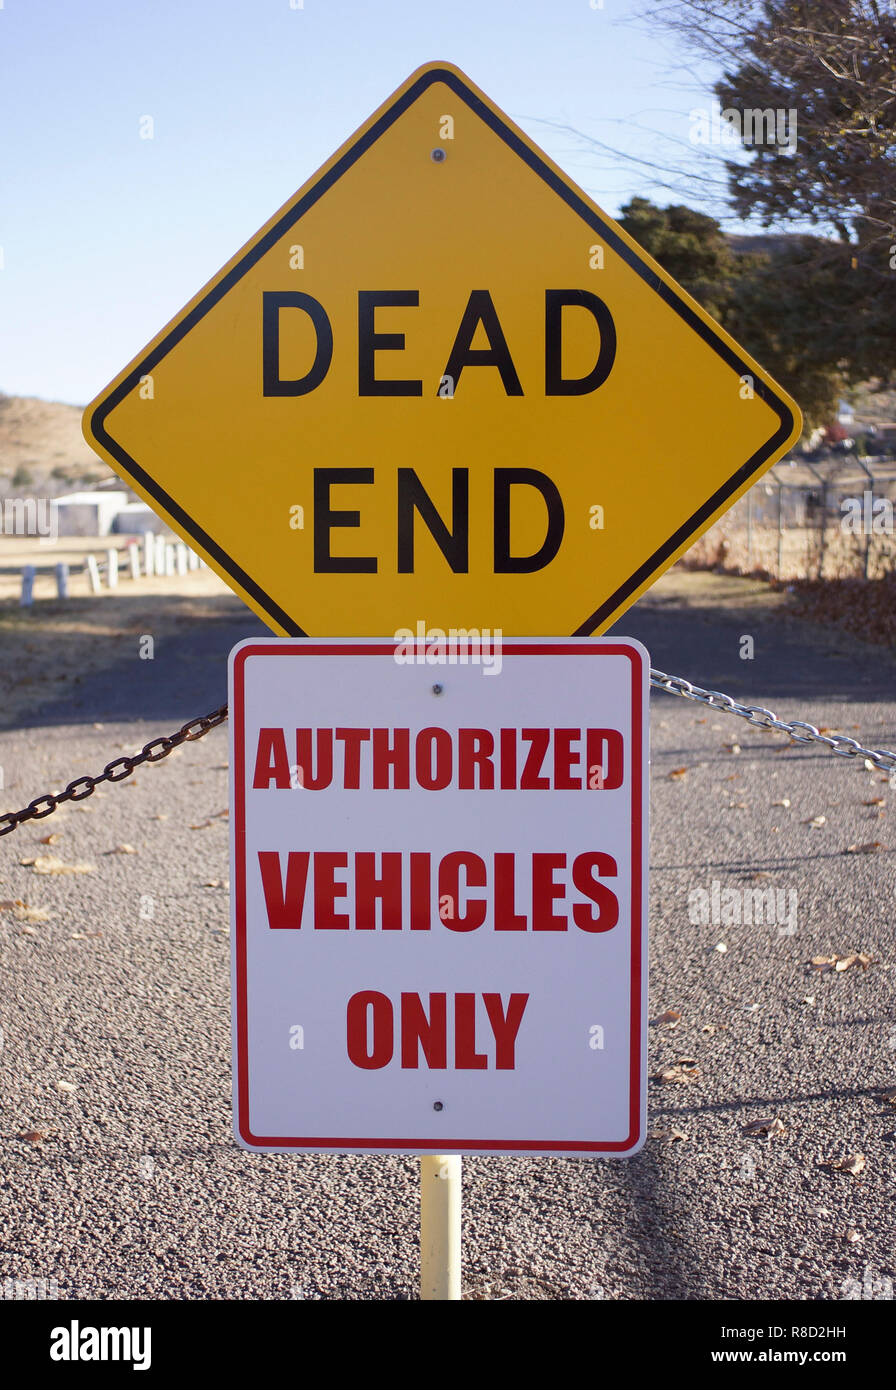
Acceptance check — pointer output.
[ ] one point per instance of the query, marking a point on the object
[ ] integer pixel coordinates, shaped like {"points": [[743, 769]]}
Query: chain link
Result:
{"points": [[116, 771], [767, 719], [159, 748]]}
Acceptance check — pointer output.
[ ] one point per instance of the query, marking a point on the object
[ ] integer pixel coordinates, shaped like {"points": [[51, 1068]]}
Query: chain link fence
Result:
{"points": [[832, 519]]}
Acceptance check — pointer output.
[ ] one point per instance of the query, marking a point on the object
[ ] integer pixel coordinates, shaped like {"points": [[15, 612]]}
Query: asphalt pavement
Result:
{"points": [[121, 1178]]}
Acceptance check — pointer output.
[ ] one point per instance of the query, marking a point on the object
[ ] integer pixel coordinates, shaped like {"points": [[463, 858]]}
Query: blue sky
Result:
{"points": [[105, 235]]}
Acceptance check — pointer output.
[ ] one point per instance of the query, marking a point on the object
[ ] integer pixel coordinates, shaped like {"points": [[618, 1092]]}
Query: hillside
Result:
{"points": [[42, 448]]}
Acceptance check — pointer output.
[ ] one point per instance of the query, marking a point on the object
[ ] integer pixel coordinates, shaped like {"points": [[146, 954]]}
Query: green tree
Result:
{"points": [[690, 246], [829, 67]]}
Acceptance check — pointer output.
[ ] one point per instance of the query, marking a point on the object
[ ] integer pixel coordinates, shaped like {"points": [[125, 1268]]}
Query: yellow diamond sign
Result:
{"points": [[441, 385]]}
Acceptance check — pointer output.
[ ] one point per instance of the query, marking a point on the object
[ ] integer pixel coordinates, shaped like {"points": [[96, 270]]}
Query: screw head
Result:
{"points": [[437, 1105], [438, 690], [438, 155]]}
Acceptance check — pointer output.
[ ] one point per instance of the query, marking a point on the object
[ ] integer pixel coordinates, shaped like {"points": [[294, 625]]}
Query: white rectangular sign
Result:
{"points": [[439, 895]]}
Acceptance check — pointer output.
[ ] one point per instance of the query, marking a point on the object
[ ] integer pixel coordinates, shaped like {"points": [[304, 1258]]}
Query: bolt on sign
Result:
{"points": [[440, 381], [439, 895]]}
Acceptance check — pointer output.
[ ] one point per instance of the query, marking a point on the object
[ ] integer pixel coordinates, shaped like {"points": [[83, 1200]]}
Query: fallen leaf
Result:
{"points": [[65, 1086], [49, 864], [50, 839], [212, 883], [83, 935], [871, 848], [678, 1073], [809, 999], [122, 849], [731, 747], [34, 1136], [876, 801], [846, 961], [785, 802], [677, 773], [721, 948], [816, 821], [672, 1135], [712, 1028], [852, 1163], [823, 964], [671, 1016], [853, 1236], [770, 1126], [24, 913]]}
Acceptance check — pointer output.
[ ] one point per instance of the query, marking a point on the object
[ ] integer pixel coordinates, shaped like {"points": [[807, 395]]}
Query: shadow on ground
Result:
{"points": [[694, 627]]}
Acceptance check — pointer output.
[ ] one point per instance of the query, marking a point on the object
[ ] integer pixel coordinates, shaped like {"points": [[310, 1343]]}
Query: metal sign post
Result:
{"points": [[440, 1229]]}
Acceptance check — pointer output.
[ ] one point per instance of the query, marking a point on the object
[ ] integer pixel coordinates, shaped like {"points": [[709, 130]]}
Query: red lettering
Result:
{"points": [[419, 1031], [386, 889], [284, 906], [506, 919], [396, 759], [466, 1058], [505, 1027], [352, 739], [421, 892], [545, 890], [565, 759], [474, 753], [324, 776], [327, 890], [583, 868], [271, 760], [508, 760], [604, 749], [530, 780], [431, 741], [449, 884], [379, 1053]]}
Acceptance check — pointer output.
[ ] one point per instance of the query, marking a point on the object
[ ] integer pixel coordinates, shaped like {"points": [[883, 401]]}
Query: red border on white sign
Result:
{"points": [[510, 647]]}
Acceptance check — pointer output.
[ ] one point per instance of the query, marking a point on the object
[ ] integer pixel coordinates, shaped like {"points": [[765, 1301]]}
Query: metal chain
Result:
{"points": [[159, 748], [116, 771], [767, 719]]}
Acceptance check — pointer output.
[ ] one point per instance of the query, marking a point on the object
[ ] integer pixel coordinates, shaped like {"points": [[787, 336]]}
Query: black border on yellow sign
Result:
{"points": [[145, 365]]}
